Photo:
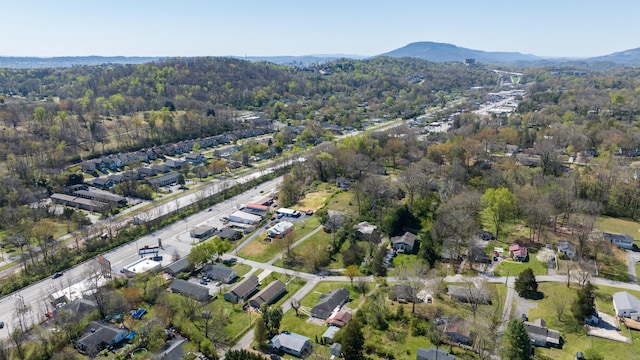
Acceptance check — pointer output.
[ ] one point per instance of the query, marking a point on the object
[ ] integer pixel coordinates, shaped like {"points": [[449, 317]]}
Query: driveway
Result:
{"points": [[632, 258]]}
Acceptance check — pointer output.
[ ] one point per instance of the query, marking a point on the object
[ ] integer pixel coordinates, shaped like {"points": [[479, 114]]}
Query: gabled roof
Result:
{"points": [[219, 272], [538, 331], [178, 266], [619, 238], [340, 319], [406, 238], [624, 300], [433, 353], [246, 287], [78, 308], [291, 341], [189, 289], [98, 333], [269, 294], [329, 302]]}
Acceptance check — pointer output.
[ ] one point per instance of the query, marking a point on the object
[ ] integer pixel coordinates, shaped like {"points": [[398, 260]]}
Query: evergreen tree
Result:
{"points": [[352, 341], [260, 332], [584, 305], [518, 341], [271, 317], [242, 354], [526, 284]]}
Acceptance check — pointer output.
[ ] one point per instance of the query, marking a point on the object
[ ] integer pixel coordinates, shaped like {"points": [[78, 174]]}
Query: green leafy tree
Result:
{"points": [[526, 284], [260, 332], [271, 317], [518, 342], [498, 204], [352, 341], [242, 354], [584, 305]]}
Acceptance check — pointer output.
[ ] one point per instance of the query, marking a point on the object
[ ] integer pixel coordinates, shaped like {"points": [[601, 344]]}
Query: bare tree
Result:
{"points": [[559, 303], [295, 305]]}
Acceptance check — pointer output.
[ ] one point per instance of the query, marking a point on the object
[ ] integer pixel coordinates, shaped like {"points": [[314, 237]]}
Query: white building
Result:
{"points": [[626, 305], [244, 218]]}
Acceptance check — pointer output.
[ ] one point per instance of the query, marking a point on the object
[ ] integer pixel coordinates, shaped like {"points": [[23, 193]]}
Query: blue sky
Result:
{"points": [[285, 27]]}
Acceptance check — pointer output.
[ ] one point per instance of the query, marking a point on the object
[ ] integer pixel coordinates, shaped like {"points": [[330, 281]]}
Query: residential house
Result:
{"points": [[469, 294], [103, 183], [457, 330], [73, 188], [79, 203], [402, 293], [172, 350], [174, 164], [164, 180], [366, 231], [566, 248], [98, 336], [404, 243], [243, 290], [176, 267], [434, 354], [336, 350], [477, 255], [195, 158], [102, 196], [268, 295], [330, 303], [329, 334], [280, 229], [219, 273], [189, 289], [230, 234], [339, 319], [147, 172], [624, 241], [541, 335], [75, 310], [160, 168], [88, 166], [291, 343], [626, 305], [116, 178], [518, 252], [343, 183]]}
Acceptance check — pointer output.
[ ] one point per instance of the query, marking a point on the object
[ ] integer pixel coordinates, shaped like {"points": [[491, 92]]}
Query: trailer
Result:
{"points": [[288, 212]]}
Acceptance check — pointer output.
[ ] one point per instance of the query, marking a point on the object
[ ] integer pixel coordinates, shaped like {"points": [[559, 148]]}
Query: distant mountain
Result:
{"points": [[68, 61], [441, 52], [629, 57], [302, 60]]}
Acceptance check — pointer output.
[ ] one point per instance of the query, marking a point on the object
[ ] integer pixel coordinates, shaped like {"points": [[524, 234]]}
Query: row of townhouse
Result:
{"points": [[116, 162]]}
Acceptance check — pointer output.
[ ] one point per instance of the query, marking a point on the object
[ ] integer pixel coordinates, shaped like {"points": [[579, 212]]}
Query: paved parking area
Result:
{"points": [[607, 328]]}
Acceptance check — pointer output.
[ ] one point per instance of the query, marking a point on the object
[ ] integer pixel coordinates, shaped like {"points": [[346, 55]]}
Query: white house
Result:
{"points": [[626, 305], [566, 248]]}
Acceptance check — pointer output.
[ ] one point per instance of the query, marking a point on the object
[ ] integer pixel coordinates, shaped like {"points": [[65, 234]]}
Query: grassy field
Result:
{"points": [[342, 201], [241, 269], [513, 268], [260, 251], [313, 201], [574, 338], [619, 226]]}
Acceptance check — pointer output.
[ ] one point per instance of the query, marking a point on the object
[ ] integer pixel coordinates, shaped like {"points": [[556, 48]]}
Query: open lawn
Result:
{"points": [[574, 337], [619, 226], [313, 201], [260, 251], [241, 269], [342, 201], [513, 268]]}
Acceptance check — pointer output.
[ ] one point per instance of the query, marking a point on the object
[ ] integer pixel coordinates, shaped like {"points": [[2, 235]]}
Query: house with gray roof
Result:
{"points": [[626, 305], [291, 343], [268, 295], [624, 241], [330, 302], [404, 243], [98, 336], [432, 354], [189, 289], [176, 267], [243, 290], [219, 273], [540, 335]]}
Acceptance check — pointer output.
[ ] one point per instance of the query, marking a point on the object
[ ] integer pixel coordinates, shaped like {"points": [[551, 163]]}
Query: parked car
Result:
{"points": [[1, 324], [56, 275]]}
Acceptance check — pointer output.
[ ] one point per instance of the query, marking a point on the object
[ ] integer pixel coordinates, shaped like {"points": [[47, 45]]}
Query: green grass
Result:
{"points": [[619, 226], [259, 251], [577, 340], [342, 201], [513, 268], [303, 228], [241, 269]]}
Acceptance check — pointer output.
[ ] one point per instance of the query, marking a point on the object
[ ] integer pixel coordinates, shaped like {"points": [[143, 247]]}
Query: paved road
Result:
{"points": [[632, 258]]}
